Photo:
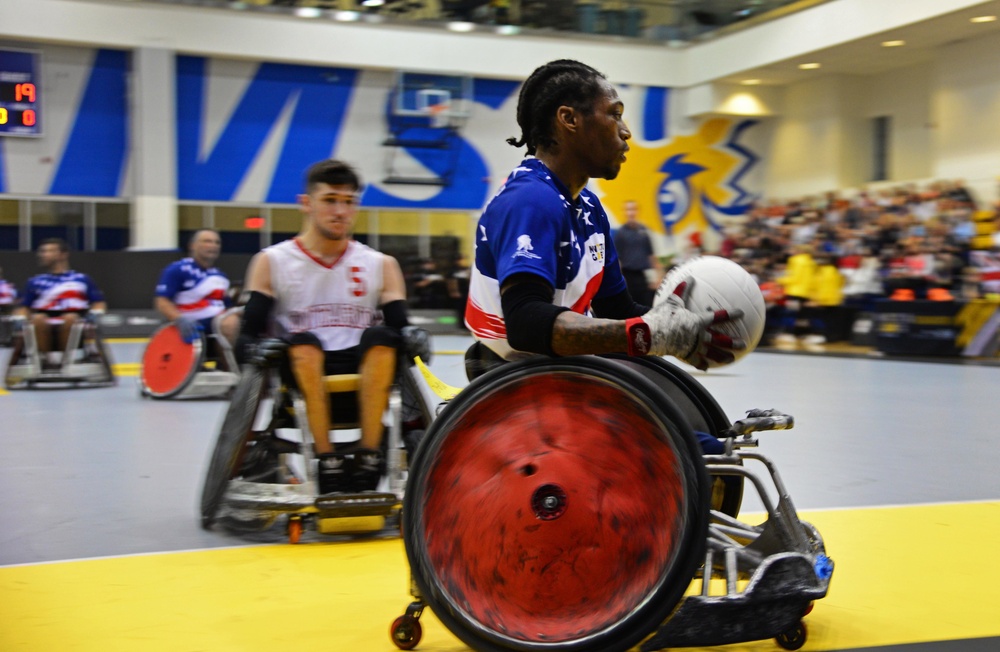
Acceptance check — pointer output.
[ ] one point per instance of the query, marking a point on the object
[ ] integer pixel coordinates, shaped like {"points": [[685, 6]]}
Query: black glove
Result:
{"points": [[268, 352], [418, 343]]}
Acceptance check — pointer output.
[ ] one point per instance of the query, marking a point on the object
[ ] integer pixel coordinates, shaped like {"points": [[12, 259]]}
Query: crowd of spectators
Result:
{"points": [[902, 243]]}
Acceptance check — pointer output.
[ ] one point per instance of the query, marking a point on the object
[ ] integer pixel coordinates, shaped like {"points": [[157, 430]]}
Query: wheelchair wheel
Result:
{"points": [[232, 444], [702, 411], [556, 505], [169, 363]]}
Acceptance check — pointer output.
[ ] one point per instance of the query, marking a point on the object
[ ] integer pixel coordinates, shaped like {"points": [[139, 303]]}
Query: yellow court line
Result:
{"points": [[126, 368], [903, 575]]}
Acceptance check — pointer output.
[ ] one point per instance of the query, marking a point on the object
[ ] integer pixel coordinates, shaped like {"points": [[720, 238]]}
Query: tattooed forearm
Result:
{"points": [[574, 334]]}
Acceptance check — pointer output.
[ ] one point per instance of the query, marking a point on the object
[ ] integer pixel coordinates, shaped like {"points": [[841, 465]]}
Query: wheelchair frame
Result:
{"points": [[26, 369], [243, 503], [771, 573]]}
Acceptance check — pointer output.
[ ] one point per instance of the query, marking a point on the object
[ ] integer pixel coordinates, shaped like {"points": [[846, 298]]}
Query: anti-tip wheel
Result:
{"points": [[794, 638], [406, 632]]}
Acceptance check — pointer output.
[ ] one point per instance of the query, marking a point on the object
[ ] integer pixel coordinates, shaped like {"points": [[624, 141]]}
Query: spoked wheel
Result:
{"points": [[702, 411], [556, 505], [235, 435]]}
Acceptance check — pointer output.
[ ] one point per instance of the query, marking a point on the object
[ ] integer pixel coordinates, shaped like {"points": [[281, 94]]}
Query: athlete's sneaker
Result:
{"points": [[367, 471], [333, 473]]}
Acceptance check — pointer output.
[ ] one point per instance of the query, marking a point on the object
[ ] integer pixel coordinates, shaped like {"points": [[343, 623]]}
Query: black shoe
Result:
{"points": [[367, 469], [333, 476]]}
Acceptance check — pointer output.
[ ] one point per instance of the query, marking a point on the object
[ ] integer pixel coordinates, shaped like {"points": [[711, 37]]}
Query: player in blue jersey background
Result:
{"points": [[59, 297], [192, 291]]}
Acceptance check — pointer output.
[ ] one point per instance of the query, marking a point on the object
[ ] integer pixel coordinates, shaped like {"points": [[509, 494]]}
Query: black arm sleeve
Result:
{"points": [[618, 306], [256, 315], [529, 315], [395, 315]]}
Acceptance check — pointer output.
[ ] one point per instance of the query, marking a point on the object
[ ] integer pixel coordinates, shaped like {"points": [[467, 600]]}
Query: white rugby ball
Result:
{"points": [[721, 284]]}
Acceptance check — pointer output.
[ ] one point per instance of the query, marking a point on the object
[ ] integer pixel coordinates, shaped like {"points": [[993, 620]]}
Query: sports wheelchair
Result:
{"points": [[173, 368], [257, 473], [86, 360], [566, 505]]}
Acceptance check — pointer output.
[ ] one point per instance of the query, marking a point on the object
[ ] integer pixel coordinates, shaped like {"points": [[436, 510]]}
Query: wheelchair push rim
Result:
{"points": [[556, 505], [169, 363], [702, 411]]}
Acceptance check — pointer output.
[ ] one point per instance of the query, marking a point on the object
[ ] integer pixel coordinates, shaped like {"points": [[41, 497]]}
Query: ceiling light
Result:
{"points": [[808, 66], [308, 12], [372, 3], [893, 44], [461, 26], [750, 82], [507, 30], [983, 19], [346, 16]]}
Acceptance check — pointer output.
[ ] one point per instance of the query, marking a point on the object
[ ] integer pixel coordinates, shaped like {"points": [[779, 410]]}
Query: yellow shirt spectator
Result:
{"points": [[800, 275]]}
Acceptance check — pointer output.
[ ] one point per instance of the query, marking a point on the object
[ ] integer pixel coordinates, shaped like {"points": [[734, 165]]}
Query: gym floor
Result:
{"points": [[894, 461]]}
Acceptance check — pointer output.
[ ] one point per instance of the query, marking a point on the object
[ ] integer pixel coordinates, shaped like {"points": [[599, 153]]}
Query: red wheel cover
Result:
{"points": [[553, 508], [168, 362]]}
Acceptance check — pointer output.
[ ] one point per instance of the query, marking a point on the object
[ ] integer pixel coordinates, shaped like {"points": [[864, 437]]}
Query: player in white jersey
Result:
{"points": [[60, 295], [192, 291], [341, 306], [546, 279]]}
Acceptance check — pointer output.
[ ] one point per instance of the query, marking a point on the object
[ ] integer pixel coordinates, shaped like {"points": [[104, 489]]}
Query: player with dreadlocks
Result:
{"points": [[546, 278]]}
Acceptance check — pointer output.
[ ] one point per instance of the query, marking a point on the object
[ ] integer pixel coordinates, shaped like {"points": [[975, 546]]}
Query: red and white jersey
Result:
{"points": [[335, 302]]}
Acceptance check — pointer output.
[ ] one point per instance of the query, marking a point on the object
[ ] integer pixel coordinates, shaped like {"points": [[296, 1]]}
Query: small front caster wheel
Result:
{"points": [[794, 638], [406, 632]]}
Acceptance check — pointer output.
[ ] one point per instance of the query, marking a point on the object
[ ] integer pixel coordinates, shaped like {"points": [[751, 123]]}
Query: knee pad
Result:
{"points": [[380, 336]]}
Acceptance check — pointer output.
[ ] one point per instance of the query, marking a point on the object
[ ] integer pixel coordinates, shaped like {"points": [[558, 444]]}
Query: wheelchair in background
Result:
{"points": [[263, 466], [173, 368], [85, 362], [567, 505]]}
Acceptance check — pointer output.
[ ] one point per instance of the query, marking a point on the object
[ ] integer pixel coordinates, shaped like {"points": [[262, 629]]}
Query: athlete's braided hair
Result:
{"points": [[558, 83]]}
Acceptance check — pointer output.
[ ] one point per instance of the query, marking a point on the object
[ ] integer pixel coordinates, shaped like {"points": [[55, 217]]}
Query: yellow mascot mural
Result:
{"points": [[687, 185]]}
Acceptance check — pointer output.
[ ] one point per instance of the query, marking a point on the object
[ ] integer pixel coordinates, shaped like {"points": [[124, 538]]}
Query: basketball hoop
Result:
{"points": [[439, 114]]}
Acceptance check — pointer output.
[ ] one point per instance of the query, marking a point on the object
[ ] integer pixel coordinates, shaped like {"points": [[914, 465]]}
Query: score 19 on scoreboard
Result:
{"points": [[20, 94]]}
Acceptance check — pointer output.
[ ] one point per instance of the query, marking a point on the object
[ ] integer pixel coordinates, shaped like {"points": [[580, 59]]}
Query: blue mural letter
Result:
{"points": [[94, 159], [321, 100]]}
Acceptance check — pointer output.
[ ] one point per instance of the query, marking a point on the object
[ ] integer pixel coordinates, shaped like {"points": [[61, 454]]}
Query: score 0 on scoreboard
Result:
{"points": [[20, 94]]}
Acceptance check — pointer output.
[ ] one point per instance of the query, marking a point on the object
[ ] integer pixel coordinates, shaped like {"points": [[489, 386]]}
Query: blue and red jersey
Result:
{"points": [[531, 225], [197, 292], [66, 292], [8, 293]]}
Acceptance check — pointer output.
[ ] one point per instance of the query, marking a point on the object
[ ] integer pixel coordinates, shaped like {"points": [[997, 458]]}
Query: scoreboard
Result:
{"points": [[20, 94]]}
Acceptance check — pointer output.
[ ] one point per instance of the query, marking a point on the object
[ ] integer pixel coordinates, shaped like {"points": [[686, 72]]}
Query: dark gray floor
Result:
{"points": [[97, 472]]}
